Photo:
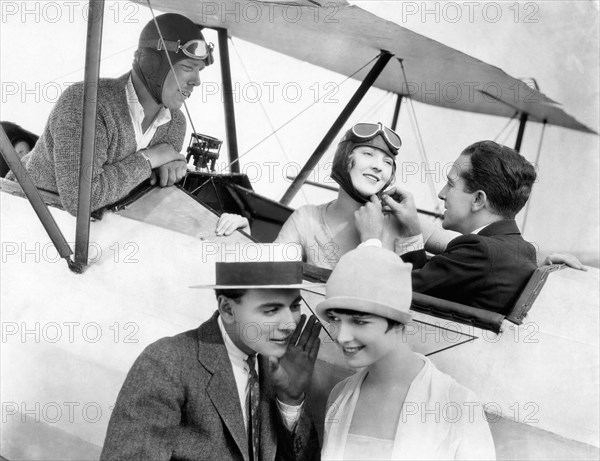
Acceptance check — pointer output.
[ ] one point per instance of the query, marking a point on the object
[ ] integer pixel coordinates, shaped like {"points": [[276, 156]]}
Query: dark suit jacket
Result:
{"points": [[179, 401], [486, 270]]}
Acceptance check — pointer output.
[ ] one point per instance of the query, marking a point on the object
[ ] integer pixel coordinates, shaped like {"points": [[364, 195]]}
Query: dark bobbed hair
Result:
{"points": [[391, 323], [502, 173]]}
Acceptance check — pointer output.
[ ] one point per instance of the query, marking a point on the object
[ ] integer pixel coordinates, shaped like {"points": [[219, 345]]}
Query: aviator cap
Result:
{"points": [[183, 40], [374, 135]]}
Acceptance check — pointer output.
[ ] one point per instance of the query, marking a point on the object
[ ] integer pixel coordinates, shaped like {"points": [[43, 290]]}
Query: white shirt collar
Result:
{"points": [[136, 111], [239, 366], [477, 231], [236, 355], [289, 413]]}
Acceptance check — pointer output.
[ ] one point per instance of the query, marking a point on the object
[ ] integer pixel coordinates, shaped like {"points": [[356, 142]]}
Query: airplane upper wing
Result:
{"points": [[343, 38]]}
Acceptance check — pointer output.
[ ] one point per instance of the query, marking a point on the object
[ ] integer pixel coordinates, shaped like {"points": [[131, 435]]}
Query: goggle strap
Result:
{"points": [[157, 45]]}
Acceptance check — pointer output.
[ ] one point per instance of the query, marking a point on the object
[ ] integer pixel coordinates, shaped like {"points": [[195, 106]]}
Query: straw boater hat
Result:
{"points": [[259, 266], [370, 280]]}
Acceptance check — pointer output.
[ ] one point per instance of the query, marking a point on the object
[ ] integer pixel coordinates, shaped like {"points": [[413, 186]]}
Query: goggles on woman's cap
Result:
{"points": [[195, 49], [365, 131]]}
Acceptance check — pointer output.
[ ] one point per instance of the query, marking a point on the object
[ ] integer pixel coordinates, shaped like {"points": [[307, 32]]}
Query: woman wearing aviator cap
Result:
{"points": [[398, 406], [364, 166]]}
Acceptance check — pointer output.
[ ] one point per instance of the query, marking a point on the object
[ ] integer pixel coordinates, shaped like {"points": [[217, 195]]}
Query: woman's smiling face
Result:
{"points": [[363, 338], [371, 169]]}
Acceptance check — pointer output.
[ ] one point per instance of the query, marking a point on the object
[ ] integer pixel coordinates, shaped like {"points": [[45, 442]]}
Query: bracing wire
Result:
{"points": [[313, 313], [370, 111], [539, 151], [422, 151], [508, 134], [162, 40], [265, 113], [367, 115], [105, 58], [536, 164], [211, 179], [262, 106], [506, 126], [300, 113]]}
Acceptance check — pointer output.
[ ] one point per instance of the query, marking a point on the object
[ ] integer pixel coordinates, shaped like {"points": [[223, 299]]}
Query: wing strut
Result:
{"points": [[88, 134], [522, 122], [384, 58], [228, 101], [86, 167], [397, 112], [34, 197]]}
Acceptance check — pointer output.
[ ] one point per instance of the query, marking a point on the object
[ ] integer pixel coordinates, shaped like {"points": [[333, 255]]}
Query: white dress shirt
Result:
{"points": [[402, 245], [241, 374], [136, 111]]}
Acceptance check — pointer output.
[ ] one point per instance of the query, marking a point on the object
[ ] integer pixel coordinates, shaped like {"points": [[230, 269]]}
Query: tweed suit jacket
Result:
{"points": [[180, 402], [486, 270]]}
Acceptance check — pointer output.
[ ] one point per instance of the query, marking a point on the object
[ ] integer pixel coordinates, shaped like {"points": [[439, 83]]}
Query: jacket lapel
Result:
{"points": [[221, 388]]}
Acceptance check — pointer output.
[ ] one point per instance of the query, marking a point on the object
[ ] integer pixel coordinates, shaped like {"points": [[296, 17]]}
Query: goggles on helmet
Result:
{"points": [[366, 131], [195, 49]]}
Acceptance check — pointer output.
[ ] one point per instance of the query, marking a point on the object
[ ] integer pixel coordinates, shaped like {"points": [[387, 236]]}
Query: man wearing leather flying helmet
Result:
{"points": [[140, 128], [187, 51]]}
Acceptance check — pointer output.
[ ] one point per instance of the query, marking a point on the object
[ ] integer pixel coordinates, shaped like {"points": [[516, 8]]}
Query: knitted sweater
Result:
{"points": [[54, 162]]}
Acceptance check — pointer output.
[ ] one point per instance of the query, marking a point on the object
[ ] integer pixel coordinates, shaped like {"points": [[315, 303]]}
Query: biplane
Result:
{"points": [[69, 338]]}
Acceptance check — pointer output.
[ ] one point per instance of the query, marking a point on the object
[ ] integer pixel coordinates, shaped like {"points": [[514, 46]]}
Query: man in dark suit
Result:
{"points": [[487, 266], [202, 395]]}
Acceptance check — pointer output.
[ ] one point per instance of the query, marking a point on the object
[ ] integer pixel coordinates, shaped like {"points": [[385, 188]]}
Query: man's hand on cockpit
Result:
{"points": [[169, 173]]}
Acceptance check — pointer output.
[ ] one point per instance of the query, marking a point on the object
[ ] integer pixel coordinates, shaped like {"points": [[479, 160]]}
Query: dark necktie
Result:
{"points": [[253, 409]]}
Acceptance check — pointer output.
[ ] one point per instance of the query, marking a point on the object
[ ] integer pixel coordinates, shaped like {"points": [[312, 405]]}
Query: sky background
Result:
{"points": [[42, 49]]}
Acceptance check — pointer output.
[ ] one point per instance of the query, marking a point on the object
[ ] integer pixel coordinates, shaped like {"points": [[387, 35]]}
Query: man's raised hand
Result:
{"points": [[368, 220], [291, 374], [401, 203]]}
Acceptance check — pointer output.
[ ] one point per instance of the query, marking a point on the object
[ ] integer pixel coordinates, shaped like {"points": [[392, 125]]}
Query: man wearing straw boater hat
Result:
{"points": [[398, 405], [234, 388]]}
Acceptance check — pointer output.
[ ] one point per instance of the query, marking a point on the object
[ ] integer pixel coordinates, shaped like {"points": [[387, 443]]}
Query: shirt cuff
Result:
{"points": [[145, 157], [290, 414], [427, 229], [407, 244], [371, 243]]}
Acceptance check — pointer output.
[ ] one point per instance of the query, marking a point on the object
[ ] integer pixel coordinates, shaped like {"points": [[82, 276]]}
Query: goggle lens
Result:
{"points": [[370, 130], [366, 129], [195, 49]]}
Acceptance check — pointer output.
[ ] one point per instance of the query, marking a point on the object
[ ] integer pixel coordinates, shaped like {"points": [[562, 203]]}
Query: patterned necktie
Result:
{"points": [[253, 409]]}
